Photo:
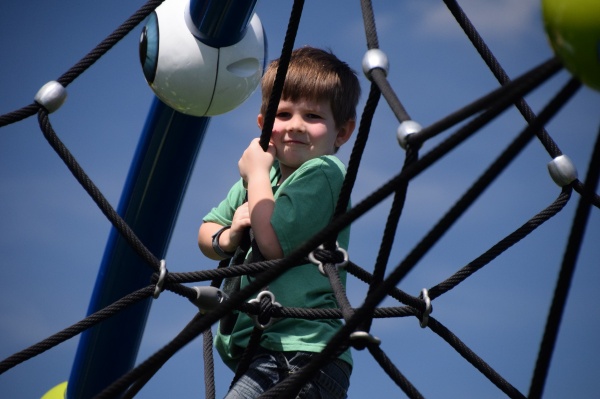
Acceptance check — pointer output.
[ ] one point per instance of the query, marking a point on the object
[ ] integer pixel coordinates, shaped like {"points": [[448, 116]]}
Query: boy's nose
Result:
{"points": [[296, 123]]}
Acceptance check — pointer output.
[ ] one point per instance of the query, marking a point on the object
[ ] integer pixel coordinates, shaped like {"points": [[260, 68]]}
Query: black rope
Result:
{"points": [[475, 360], [378, 76], [567, 271], [395, 374], [355, 157], [209, 365], [502, 77], [75, 329], [446, 222], [587, 194], [395, 292], [89, 186], [19, 114], [369, 24], [338, 290], [514, 90], [284, 60], [246, 360], [325, 313], [155, 361], [503, 245], [486, 179], [389, 233], [93, 56], [231, 271], [102, 48], [291, 386]]}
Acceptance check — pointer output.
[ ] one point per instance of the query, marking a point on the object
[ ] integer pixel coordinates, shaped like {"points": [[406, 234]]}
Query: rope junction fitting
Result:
{"points": [[313, 258], [208, 297], [404, 130], [271, 300], [161, 279], [375, 58], [425, 318], [51, 96], [562, 170]]}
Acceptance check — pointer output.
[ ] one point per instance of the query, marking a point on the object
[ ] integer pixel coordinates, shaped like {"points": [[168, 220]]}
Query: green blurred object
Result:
{"points": [[573, 28]]}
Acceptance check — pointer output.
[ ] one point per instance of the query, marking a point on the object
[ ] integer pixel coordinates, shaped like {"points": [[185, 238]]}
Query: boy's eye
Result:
{"points": [[313, 116], [283, 115]]}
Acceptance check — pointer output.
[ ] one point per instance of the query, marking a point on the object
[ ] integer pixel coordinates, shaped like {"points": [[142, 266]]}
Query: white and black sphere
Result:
{"points": [[192, 77]]}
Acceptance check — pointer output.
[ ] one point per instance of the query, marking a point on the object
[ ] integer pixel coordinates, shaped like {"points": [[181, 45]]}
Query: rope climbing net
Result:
{"points": [[382, 283]]}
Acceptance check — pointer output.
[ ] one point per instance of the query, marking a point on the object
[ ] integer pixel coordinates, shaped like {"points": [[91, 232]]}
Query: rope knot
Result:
{"points": [[265, 301], [321, 256]]}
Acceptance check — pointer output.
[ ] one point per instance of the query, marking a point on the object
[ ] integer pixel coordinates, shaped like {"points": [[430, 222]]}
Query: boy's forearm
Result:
{"points": [[262, 204], [205, 234]]}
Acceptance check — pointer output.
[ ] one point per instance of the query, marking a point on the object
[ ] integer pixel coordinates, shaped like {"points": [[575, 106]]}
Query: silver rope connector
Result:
{"points": [[425, 319], [562, 170], [161, 279], [375, 58], [405, 129], [51, 96]]}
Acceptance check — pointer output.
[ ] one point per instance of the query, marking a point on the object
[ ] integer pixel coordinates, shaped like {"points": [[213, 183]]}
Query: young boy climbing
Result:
{"points": [[292, 191]]}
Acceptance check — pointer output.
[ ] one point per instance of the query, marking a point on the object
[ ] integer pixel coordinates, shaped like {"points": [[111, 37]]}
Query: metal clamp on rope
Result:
{"points": [[51, 96], [425, 318], [259, 297], [344, 263], [404, 130], [562, 170], [208, 298], [161, 279], [375, 58], [360, 339]]}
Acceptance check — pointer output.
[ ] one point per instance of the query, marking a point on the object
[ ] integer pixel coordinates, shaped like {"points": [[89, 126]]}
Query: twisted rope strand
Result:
{"points": [[567, 271], [108, 43], [475, 360], [284, 60], [75, 329], [395, 374], [89, 186]]}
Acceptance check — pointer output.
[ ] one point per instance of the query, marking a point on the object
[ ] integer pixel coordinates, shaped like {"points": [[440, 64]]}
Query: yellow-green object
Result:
{"points": [[58, 392], [573, 28]]}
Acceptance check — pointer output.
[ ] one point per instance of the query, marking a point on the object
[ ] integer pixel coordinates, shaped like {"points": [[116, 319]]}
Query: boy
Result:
{"points": [[292, 191]]}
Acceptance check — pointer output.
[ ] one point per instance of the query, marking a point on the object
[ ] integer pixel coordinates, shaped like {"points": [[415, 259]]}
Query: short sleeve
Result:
{"points": [[306, 201], [223, 213]]}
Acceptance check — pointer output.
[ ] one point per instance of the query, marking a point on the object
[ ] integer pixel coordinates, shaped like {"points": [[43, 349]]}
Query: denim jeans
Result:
{"points": [[269, 368]]}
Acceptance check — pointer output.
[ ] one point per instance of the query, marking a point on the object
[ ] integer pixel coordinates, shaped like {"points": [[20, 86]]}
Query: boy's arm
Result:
{"points": [[205, 233], [255, 166], [229, 239]]}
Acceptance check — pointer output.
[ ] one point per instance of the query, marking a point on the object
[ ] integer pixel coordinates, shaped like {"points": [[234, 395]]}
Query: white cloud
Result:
{"points": [[493, 19]]}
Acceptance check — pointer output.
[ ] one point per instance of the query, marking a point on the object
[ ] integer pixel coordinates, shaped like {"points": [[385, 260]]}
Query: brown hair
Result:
{"points": [[315, 75]]}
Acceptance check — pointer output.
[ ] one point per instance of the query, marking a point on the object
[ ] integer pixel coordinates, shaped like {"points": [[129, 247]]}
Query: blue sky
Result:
{"points": [[53, 237]]}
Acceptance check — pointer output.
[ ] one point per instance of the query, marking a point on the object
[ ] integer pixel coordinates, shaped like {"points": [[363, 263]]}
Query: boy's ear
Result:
{"points": [[260, 121], [344, 132]]}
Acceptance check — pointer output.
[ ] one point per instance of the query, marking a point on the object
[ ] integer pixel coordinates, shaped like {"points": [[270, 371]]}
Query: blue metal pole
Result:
{"points": [[150, 203]]}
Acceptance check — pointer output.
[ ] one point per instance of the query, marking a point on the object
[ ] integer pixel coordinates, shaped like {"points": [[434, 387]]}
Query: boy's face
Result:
{"points": [[305, 130]]}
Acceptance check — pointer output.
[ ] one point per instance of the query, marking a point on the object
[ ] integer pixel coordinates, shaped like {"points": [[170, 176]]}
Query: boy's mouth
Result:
{"points": [[293, 142]]}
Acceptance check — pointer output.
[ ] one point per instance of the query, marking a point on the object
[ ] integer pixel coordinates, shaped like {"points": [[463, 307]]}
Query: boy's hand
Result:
{"points": [[241, 221], [255, 160]]}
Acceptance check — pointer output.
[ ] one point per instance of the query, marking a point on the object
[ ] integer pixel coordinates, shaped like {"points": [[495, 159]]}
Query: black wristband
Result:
{"points": [[215, 243]]}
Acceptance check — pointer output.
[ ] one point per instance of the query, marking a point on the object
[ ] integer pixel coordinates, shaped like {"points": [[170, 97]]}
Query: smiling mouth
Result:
{"points": [[294, 142]]}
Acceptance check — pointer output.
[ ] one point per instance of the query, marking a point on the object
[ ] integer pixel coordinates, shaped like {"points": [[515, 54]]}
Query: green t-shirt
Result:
{"points": [[304, 205]]}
